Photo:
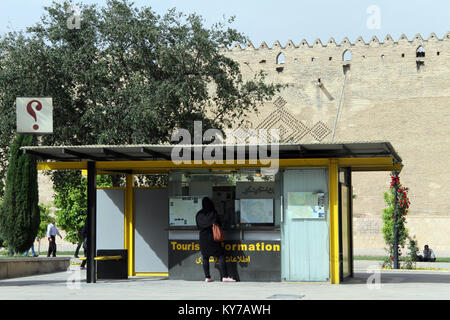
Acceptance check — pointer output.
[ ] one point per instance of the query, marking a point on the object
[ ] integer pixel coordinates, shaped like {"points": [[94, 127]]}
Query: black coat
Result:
{"points": [[205, 218]]}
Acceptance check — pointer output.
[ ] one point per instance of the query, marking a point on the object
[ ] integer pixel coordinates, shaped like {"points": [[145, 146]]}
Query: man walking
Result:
{"points": [[84, 234], [52, 231]]}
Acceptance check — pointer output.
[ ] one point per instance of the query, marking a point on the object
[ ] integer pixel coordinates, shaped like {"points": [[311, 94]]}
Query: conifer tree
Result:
{"points": [[19, 213]]}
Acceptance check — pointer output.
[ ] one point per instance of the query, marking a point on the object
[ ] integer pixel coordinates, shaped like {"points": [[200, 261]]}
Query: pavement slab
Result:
{"points": [[366, 285]]}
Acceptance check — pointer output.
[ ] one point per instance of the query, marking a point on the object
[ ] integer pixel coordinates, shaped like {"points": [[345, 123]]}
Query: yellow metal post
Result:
{"points": [[129, 222], [334, 221]]}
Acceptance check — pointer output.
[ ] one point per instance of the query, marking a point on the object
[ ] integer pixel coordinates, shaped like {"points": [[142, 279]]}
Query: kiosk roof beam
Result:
{"points": [[44, 155], [81, 155], [120, 155], [154, 153]]}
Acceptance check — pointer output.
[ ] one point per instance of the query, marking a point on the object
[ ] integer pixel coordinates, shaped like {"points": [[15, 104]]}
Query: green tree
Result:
{"points": [[2, 244], [46, 218], [72, 204], [19, 213], [127, 76]]}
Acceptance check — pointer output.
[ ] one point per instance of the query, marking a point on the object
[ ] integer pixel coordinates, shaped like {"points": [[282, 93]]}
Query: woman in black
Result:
{"points": [[205, 218]]}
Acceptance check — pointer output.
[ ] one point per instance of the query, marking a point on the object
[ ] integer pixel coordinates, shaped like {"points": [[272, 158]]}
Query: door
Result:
{"points": [[305, 241]]}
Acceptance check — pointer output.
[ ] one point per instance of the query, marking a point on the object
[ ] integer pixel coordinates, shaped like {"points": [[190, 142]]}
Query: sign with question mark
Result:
{"points": [[34, 115]]}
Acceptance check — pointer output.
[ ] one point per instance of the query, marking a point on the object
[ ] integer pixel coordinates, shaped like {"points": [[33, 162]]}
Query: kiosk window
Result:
{"points": [[241, 197]]}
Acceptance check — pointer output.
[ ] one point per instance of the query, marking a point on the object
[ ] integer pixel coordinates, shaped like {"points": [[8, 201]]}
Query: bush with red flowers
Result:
{"points": [[397, 217]]}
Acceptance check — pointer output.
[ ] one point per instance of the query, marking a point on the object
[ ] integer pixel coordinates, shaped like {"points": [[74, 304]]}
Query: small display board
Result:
{"points": [[306, 205], [182, 210], [256, 211]]}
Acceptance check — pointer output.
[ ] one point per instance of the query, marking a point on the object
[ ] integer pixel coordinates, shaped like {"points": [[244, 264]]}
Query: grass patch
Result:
{"points": [[370, 258], [417, 268], [381, 258]]}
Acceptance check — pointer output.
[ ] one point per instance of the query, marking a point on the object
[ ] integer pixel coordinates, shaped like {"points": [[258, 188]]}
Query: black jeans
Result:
{"points": [[52, 247], [83, 263], [421, 258], [222, 267], [77, 250]]}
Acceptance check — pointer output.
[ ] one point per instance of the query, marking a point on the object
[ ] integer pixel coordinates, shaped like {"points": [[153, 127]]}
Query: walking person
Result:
{"points": [[77, 250], [52, 231], [33, 253], [205, 218], [84, 234]]}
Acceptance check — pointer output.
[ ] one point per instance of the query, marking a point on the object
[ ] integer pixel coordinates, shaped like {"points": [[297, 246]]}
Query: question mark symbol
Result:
{"points": [[31, 111]]}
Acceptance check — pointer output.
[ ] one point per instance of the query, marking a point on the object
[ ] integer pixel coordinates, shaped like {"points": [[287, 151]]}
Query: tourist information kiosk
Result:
{"points": [[292, 225]]}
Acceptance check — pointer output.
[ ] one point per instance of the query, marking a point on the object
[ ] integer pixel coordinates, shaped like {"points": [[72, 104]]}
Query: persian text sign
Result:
{"points": [[34, 115]]}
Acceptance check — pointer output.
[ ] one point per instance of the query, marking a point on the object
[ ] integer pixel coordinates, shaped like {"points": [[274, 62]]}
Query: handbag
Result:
{"points": [[217, 233]]}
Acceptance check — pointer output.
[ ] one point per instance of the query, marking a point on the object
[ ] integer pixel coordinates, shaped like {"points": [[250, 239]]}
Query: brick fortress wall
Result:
{"points": [[388, 90]]}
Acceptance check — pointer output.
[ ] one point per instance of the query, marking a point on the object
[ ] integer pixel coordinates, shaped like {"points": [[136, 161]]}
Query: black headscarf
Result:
{"points": [[208, 205], [207, 215]]}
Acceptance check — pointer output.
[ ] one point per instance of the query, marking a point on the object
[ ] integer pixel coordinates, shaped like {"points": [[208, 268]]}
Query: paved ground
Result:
{"points": [[382, 285]]}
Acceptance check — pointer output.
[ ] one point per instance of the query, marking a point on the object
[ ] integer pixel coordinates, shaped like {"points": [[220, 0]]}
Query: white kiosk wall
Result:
{"points": [[151, 216], [110, 218], [151, 220]]}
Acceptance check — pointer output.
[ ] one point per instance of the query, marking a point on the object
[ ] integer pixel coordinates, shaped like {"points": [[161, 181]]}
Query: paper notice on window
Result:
{"points": [[305, 205], [182, 210]]}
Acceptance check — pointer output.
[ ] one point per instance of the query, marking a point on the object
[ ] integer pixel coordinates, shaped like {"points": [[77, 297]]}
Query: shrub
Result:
{"points": [[397, 217]]}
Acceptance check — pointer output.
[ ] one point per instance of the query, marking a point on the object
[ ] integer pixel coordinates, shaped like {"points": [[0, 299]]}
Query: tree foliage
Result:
{"points": [[46, 218], [126, 76], [72, 203], [19, 213]]}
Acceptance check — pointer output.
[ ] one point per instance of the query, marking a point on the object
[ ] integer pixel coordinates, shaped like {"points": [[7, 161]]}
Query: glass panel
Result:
{"points": [[345, 231], [229, 190]]}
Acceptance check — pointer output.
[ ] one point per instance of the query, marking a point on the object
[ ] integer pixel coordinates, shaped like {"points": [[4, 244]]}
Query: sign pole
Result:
{"points": [[92, 223], [396, 262]]}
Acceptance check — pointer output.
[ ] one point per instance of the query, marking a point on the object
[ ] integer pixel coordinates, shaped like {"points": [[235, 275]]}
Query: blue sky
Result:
{"points": [[263, 20]]}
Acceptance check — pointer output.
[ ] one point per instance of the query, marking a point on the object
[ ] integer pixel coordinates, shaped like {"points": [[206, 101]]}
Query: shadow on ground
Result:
{"points": [[21, 283], [359, 278], [401, 277], [18, 282]]}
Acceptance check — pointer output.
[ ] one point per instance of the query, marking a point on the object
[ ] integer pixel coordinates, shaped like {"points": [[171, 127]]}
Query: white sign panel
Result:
{"points": [[34, 115]]}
